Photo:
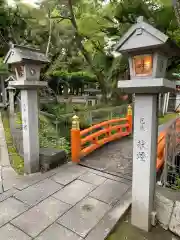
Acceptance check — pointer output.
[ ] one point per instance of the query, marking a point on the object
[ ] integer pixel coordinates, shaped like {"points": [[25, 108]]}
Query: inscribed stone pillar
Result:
{"points": [[29, 110], [144, 159]]}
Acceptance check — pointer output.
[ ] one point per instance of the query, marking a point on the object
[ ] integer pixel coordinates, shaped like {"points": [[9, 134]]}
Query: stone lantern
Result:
{"points": [[27, 63], [148, 50]]}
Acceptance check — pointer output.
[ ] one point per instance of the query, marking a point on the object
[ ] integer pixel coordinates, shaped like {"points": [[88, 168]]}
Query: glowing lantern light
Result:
{"points": [[142, 65]]}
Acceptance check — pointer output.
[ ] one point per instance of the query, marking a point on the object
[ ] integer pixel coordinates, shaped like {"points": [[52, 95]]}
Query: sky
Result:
{"points": [[32, 2]]}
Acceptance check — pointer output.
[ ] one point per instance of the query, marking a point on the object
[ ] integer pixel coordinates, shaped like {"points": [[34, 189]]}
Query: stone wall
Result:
{"points": [[167, 205]]}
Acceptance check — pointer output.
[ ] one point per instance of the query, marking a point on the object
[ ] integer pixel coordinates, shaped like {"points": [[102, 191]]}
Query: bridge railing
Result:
{"points": [[86, 141], [171, 171], [160, 150], [168, 142]]}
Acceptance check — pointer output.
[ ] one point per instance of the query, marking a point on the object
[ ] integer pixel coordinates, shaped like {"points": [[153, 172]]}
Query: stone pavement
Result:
{"points": [[5, 167], [115, 158], [71, 202]]}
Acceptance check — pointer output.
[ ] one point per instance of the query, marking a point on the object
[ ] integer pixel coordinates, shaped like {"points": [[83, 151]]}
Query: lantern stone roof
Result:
{"points": [[19, 54], [10, 78], [143, 36], [10, 88]]}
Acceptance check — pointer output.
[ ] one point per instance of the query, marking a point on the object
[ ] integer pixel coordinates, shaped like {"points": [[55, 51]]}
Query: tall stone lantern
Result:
{"points": [[27, 63], [148, 50]]}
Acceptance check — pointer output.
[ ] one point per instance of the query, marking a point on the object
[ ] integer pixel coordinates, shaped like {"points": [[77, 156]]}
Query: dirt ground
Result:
{"points": [[125, 231]]}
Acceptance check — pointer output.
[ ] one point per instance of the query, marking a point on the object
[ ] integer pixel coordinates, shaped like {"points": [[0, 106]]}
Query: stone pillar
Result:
{"points": [[177, 101], [144, 159], [30, 118], [11, 100], [160, 104], [167, 102], [3, 91], [164, 104]]}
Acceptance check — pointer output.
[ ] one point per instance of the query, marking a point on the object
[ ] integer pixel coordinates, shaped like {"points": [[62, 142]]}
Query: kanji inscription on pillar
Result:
{"points": [[24, 120], [141, 144]]}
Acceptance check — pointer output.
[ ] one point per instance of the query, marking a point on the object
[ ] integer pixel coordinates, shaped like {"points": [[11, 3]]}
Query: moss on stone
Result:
{"points": [[16, 160]]}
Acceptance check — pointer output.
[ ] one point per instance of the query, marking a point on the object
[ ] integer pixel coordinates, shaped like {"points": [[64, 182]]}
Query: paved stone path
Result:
{"points": [[71, 202], [115, 158]]}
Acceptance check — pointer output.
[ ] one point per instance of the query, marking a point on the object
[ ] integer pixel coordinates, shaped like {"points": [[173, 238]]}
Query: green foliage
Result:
{"points": [[48, 136], [167, 118], [176, 185], [16, 160], [73, 74], [3, 67]]}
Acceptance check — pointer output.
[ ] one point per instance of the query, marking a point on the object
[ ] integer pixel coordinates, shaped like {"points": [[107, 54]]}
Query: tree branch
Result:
{"points": [[50, 34]]}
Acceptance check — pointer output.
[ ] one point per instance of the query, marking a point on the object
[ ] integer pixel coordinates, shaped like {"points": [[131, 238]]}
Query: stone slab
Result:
{"points": [[111, 176], [21, 182], [1, 187], [92, 178], [68, 173], [36, 193], [9, 209], [164, 208], [38, 218], [175, 219], [57, 232], [74, 192], [9, 232], [84, 216], [8, 172], [9, 178], [107, 223], [7, 194], [1, 182], [110, 192], [175, 237], [4, 156]]}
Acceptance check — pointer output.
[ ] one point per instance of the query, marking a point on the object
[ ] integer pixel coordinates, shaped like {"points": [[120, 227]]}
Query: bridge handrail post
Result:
{"points": [[129, 118], [75, 140]]}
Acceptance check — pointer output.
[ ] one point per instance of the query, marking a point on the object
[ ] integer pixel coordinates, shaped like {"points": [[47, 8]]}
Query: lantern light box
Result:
{"points": [[142, 65], [148, 50]]}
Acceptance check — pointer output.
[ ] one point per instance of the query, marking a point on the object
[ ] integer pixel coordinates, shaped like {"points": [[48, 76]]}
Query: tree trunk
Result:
{"points": [[176, 4], [85, 53], [50, 35]]}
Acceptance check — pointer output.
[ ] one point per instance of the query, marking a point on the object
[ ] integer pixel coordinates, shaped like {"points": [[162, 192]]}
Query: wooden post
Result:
{"points": [[75, 140], [129, 118]]}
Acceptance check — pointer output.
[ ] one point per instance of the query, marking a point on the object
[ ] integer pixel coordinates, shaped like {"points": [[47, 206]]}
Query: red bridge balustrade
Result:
{"points": [[86, 141], [83, 142]]}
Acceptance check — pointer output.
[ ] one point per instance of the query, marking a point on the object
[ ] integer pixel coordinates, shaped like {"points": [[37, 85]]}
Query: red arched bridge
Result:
{"points": [[116, 156]]}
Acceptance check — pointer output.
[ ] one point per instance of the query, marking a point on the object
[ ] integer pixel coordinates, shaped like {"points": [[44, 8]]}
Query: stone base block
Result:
{"points": [[174, 225], [51, 158], [164, 208]]}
